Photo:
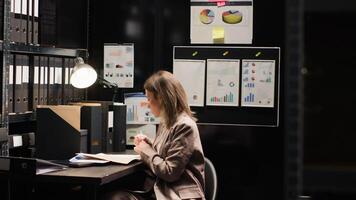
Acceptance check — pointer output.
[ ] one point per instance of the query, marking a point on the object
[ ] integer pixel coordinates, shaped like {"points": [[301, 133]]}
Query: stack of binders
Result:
{"points": [[24, 19], [50, 80]]}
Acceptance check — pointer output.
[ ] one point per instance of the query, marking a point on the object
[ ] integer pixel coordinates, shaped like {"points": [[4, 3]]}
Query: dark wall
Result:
{"points": [[249, 160], [63, 23], [71, 30], [329, 141]]}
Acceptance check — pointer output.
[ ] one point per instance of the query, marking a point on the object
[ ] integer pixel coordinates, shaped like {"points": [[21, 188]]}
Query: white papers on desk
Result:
{"points": [[80, 158], [116, 158], [191, 74]]}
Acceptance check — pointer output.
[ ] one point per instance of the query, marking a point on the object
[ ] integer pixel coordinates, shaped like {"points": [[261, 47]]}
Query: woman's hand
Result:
{"points": [[140, 146], [139, 138], [140, 141]]}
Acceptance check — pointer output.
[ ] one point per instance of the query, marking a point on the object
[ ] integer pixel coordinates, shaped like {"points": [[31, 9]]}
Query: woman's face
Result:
{"points": [[153, 104]]}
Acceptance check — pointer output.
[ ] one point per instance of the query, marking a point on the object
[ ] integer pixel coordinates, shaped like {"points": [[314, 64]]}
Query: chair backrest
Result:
{"points": [[211, 180]]}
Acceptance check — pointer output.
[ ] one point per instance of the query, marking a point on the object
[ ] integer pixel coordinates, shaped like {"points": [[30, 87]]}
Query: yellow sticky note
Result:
{"points": [[218, 34]]}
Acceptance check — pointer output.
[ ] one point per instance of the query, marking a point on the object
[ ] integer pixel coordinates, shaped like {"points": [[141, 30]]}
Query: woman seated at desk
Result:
{"points": [[175, 158]]}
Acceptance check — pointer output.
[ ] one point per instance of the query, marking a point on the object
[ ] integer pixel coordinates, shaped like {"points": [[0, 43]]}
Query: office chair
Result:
{"points": [[211, 180]]}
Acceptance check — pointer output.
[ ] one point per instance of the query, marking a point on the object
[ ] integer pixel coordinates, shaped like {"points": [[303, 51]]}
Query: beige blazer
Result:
{"points": [[176, 159]]}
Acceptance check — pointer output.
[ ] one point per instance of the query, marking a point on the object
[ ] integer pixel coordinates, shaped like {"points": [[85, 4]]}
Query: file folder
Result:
{"points": [[67, 87], [35, 21], [18, 106], [119, 128], [107, 116], [41, 85], [52, 99], [58, 80], [94, 119], [46, 82], [23, 21], [17, 21], [36, 82], [43, 80], [11, 85], [25, 82], [30, 22], [12, 20], [91, 120]]}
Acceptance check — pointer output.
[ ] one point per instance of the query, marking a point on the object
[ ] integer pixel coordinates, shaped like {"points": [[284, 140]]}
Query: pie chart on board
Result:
{"points": [[206, 16], [232, 17]]}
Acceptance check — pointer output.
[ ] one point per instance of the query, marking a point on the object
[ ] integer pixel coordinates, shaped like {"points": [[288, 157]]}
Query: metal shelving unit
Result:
{"points": [[30, 49], [4, 124], [7, 48]]}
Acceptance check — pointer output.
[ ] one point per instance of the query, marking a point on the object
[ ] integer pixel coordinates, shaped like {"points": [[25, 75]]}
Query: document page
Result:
{"points": [[116, 158]]}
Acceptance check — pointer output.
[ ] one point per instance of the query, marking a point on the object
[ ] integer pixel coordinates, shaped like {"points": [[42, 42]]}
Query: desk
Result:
{"points": [[90, 177]]}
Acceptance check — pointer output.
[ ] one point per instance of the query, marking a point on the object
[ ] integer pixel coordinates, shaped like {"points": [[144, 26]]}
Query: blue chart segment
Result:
{"points": [[250, 98], [250, 85], [132, 113]]}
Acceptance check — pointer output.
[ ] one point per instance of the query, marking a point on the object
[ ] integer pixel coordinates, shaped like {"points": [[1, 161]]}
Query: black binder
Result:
{"points": [[30, 22], [12, 21], [58, 81], [43, 80], [52, 93], [91, 120], [36, 82], [107, 125], [11, 85], [23, 21], [119, 129], [16, 21], [18, 106], [68, 92], [35, 21], [25, 82]]}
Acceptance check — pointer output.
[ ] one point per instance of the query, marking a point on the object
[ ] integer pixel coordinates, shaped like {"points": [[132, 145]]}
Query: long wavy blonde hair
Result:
{"points": [[170, 95]]}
